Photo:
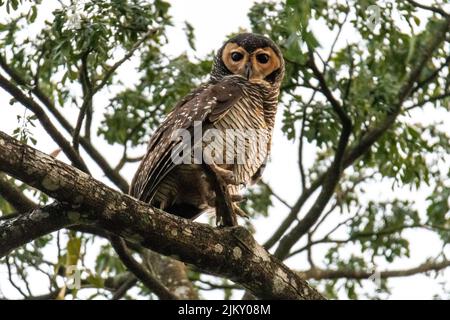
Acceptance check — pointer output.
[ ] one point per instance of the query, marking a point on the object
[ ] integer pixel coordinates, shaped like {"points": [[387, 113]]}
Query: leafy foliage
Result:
{"points": [[76, 48]]}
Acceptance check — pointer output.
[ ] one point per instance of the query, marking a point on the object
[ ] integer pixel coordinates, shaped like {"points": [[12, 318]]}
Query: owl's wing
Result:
{"points": [[208, 104]]}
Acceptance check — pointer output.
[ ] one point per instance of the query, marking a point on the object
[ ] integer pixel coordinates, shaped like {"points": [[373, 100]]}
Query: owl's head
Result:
{"points": [[253, 56]]}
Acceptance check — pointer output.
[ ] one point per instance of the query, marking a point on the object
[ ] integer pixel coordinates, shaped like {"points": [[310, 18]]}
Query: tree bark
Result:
{"points": [[228, 252]]}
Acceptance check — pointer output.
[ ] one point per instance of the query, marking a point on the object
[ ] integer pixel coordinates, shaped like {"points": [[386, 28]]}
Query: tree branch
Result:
{"points": [[229, 252], [333, 174], [112, 175], [370, 137], [46, 123], [122, 290], [14, 196], [321, 274], [90, 94], [429, 8], [139, 271], [292, 216]]}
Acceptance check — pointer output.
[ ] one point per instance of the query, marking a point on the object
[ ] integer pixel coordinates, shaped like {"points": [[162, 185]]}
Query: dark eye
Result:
{"points": [[262, 58], [237, 56]]}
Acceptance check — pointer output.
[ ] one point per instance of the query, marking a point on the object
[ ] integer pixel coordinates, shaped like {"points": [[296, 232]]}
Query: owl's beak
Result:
{"points": [[248, 70]]}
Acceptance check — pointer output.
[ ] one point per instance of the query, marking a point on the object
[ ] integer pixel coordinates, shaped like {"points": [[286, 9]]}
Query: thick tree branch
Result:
{"points": [[229, 252], [26, 227]]}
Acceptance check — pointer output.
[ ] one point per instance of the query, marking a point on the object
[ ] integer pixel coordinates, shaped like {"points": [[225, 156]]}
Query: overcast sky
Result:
{"points": [[213, 21]]}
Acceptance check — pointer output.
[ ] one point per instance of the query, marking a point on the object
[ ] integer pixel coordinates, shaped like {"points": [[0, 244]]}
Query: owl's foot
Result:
{"points": [[225, 212], [227, 175], [237, 198], [237, 210]]}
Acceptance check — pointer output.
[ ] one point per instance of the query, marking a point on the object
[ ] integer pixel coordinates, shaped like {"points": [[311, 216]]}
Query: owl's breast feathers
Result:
{"points": [[231, 103]]}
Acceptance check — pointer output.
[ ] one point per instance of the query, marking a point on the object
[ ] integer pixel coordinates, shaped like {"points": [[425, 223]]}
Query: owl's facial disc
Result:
{"points": [[254, 66]]}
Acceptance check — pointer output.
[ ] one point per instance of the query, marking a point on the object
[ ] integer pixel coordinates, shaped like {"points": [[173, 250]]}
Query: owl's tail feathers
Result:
{"points": [[184, 210]]}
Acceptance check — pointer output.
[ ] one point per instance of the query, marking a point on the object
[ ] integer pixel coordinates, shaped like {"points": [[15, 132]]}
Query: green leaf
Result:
{"points": [[73, 251]]}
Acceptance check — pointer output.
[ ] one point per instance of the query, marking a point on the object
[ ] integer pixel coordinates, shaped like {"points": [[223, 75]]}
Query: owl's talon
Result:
{"points": [[238, 211], [226, 175], [237, 198]]}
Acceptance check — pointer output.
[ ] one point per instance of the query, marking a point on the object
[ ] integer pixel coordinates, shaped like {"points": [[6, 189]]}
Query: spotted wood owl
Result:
{"points": [[226, 122]]}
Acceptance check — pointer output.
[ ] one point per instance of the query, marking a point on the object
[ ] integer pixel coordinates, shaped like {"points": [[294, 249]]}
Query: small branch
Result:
{"points": [[337, 108], [429, 8], [350, 78], [124, 160], [320, 274], [275, 194], [11, 281], [300, 146], [15, 196], [112, 175], [338, 35], [123, 289], [430, 100], [432, 76], [292, 216], [45, 122], [86, 86], [332, 176], [359, 235], [88, 99], [139, 271]]}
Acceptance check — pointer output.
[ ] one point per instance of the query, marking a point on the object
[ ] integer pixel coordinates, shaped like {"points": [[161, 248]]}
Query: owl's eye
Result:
{"points": [[236, 56], [262, 58]]}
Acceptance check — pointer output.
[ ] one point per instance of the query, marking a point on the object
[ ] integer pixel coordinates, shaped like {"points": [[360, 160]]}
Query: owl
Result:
{"points": [[224, 126]]}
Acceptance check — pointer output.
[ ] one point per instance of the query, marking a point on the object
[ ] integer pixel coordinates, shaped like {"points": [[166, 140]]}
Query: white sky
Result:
{"points": [[213, 21]]}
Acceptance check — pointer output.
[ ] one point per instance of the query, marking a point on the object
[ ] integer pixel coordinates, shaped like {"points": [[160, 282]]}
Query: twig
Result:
{"points": [[8, 266], [139, 271], [88, 99], [320, 274], [333, 174], [430, 100], [29, 103], [429, 8], [45, 121], [275, 194], [433, 75], [122, 290]]}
